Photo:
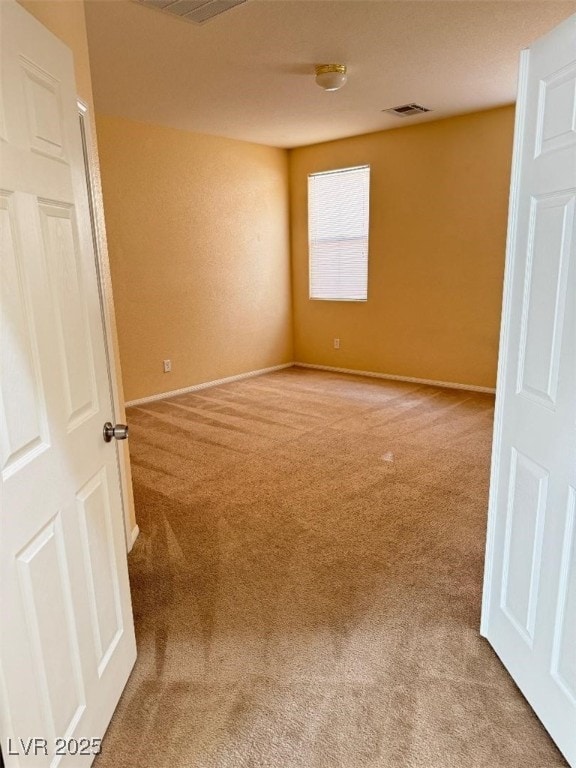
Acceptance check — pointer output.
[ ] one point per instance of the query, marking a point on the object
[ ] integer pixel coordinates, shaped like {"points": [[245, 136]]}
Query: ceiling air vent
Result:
{"points": [[407, 110], [197, 11]]}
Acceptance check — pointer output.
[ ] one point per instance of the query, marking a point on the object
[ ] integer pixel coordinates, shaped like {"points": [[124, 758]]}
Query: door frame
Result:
{"points": [[96, 205]]}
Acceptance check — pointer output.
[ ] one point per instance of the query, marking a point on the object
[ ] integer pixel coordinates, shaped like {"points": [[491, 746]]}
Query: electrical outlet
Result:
{"points": [[336, 343], [167, 366]]}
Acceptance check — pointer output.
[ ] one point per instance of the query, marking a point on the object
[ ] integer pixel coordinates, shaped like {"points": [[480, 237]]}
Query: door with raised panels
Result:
{"points": [[529, 611], [66, 630]]}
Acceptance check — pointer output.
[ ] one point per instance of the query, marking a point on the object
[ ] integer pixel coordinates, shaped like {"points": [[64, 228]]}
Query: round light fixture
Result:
{"points": [[331, 77]]}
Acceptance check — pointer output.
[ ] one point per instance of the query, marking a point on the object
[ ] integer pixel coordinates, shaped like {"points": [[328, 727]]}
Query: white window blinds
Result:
{"points": [[338, 203]]}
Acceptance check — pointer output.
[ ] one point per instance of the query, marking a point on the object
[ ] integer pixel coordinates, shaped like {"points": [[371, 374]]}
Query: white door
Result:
{"points": [[66, 630], [529, 611]]}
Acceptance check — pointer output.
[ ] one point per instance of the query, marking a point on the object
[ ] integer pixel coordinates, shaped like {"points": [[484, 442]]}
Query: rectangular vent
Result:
{"points": [[407, 110], [196, 11]]}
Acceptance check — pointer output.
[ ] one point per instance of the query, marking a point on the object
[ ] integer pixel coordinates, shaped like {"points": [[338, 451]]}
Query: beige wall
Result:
{"points": [[198, 237], [67, 21], [439, 199]]}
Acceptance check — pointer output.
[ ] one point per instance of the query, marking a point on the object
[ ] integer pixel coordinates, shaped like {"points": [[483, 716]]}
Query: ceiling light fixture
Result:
{"points": [[331, 77]]}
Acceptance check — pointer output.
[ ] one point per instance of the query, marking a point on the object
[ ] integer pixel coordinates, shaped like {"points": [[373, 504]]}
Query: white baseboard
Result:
{"points": [[261, 371], [392, 377], [133, 537], [206, 384]]}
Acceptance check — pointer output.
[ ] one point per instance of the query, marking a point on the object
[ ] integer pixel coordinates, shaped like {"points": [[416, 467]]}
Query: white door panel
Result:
{"points": [[529, 611], [66, 634]]}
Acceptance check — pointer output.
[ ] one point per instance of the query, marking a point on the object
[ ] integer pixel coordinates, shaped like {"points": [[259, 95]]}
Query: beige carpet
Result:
{"points": [[307, 583]]}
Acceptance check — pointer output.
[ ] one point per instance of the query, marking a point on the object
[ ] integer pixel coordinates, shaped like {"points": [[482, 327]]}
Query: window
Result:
{"points": [[338, 234]]}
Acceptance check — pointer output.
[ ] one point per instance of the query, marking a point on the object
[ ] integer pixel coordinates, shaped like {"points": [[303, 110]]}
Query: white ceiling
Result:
{"points": [[248, 74]]}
